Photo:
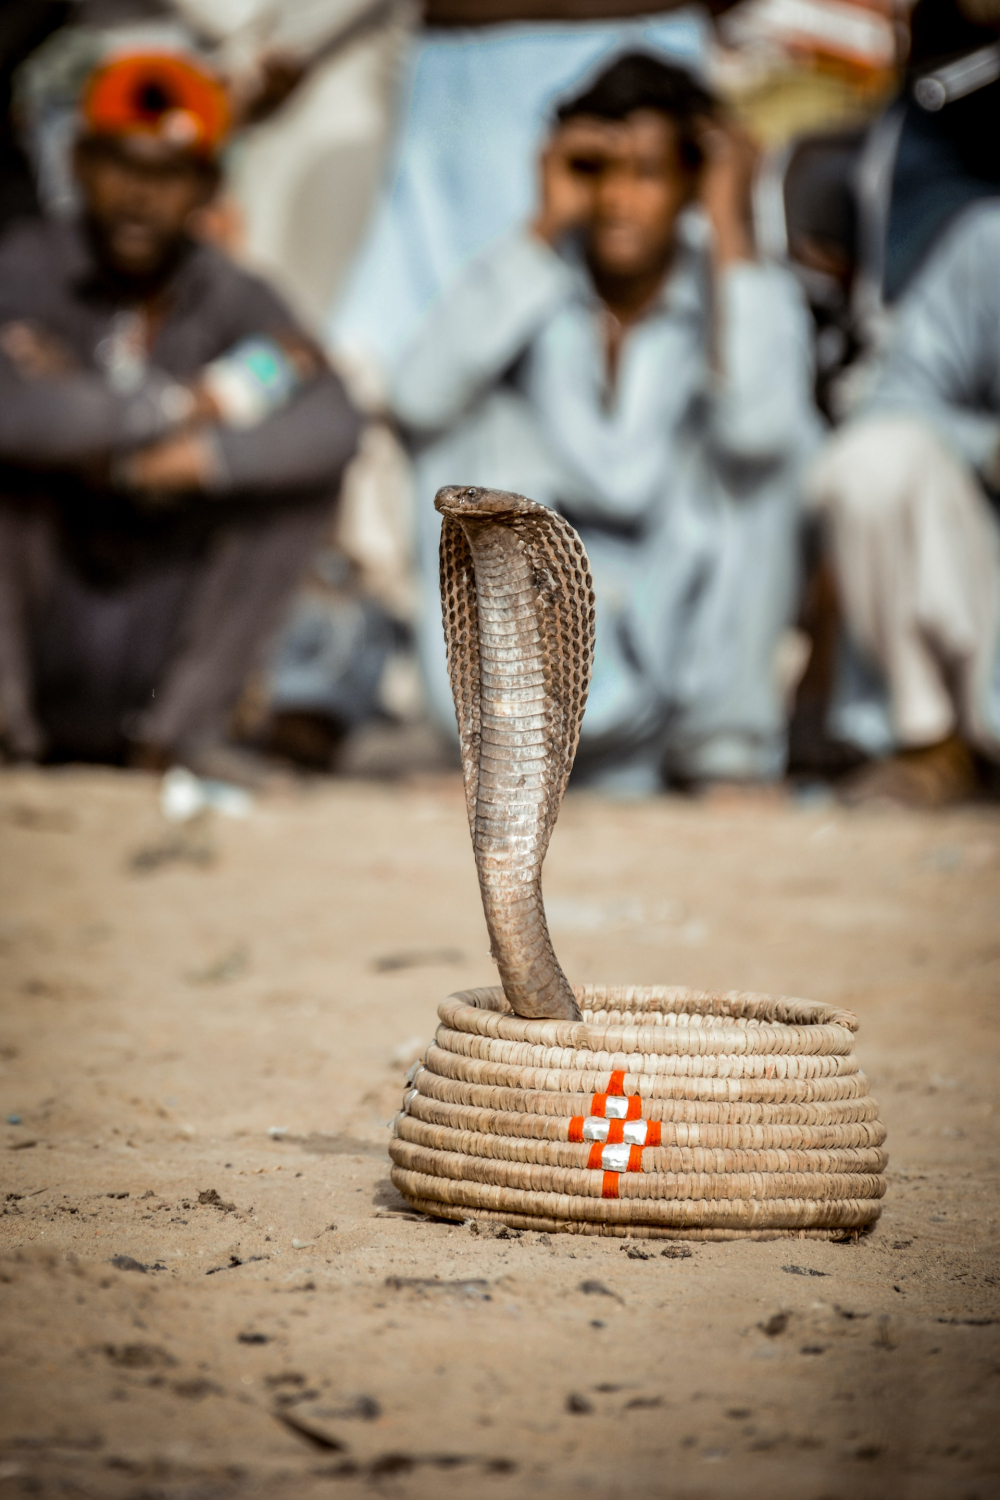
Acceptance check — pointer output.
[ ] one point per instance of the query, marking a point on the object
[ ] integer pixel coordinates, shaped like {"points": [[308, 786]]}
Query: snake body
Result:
{"points": [[518, 608]]}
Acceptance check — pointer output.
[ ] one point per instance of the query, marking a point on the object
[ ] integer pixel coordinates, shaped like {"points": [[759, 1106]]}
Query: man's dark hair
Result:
{"points": [[820, 197], [638, 80]]}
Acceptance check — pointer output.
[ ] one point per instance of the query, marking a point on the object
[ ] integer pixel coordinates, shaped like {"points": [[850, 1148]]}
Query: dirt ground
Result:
{"points": [[209, 1287]]}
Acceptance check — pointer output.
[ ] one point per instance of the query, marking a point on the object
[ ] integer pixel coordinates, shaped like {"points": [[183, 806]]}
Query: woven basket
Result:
{"points": [[665, 1113]]}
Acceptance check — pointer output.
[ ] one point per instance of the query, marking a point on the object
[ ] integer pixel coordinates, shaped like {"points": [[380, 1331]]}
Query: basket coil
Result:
{"points": [[665, 1113]]}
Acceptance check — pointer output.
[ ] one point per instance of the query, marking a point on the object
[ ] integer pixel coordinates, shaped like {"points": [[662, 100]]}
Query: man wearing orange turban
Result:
{"points": [[170, 442]]}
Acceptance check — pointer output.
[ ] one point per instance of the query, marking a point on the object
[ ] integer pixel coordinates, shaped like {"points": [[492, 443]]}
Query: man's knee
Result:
{"points": [[871, 473]]}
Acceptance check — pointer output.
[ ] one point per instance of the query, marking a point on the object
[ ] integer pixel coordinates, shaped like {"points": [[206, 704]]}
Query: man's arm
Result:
{"points": [[64, 418], [944, 361], [305, 442], [762, 409], [478, 329], [308, 439], [304, 446], [492, 312]]}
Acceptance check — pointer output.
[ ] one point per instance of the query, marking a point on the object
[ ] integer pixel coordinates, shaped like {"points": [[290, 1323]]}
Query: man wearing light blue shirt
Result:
{"points": [[626, 360], [909, 491]]}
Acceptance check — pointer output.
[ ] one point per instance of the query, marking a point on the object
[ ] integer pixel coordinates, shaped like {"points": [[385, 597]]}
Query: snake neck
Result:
{"points": [[515, 774]]}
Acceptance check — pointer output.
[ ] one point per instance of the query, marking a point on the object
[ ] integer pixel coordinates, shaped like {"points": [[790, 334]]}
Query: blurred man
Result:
{"points": [[910, 494], [856, 213], [171, 443], [626, 360]]}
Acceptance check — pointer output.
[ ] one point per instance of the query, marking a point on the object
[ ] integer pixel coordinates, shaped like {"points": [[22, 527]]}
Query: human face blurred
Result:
{"points": [[640, 186], [139, 196]]}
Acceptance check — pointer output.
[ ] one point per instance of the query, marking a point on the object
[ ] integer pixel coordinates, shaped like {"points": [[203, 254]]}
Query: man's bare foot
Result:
{"points": [[220, 760], [930, 776], [213, 760]]}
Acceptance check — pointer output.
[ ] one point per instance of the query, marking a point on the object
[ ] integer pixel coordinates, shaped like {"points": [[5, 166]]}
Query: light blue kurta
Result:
{"points": [[682, 481], [941, 366], [943, 361]]}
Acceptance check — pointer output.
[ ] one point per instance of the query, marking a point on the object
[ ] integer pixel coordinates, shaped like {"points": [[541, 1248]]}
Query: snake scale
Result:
{"points": [[518, 605]]}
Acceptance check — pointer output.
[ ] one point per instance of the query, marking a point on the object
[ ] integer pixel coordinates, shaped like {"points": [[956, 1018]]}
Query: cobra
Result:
{"points": [[518, 604]]}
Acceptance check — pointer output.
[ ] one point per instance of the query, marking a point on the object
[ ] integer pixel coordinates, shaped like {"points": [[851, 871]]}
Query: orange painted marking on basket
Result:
{"points": [[632, 1103], [616, 1084], [621, 1141]]}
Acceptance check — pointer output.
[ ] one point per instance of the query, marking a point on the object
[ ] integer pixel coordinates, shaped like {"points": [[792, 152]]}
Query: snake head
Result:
{"points": [[467, 502]]}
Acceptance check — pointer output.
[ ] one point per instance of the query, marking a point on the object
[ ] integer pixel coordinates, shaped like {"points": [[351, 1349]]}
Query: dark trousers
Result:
{"points": [[124, 629]]}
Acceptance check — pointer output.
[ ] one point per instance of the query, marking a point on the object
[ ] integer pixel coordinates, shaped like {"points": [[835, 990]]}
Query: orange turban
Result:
{"points": [[158, 94]]}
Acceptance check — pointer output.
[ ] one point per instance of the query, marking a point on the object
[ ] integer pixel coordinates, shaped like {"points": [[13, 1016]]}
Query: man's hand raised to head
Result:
{"points": [[726, 188], [570, 164]]}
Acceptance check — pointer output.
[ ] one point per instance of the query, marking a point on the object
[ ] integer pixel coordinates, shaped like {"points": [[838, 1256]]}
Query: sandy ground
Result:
{"points": [[210, 1288]]}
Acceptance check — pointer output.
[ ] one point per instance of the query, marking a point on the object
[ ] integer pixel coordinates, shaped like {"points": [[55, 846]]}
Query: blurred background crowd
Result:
{"points": [[719, 284]]}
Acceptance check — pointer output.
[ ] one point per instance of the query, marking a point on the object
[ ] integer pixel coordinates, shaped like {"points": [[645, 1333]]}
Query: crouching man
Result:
{"points": [[170, 444], [626, 360], [909, 491]]}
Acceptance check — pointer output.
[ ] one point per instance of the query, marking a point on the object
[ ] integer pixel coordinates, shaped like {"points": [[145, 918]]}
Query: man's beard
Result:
{"points": [[138, 283]]}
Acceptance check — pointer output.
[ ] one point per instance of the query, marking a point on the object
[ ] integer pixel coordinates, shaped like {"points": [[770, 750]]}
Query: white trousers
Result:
{"points": [[916, 549]]}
